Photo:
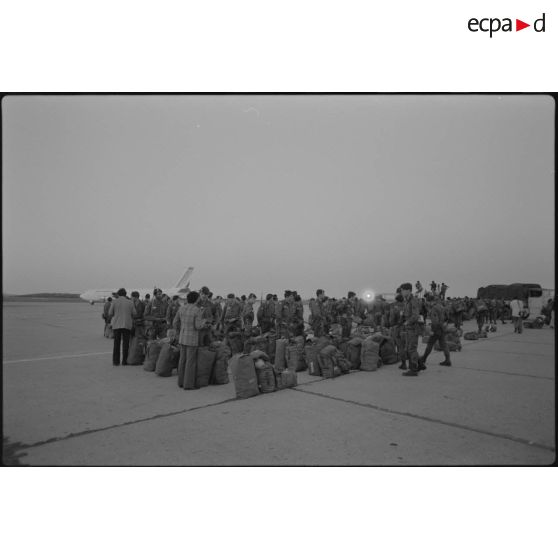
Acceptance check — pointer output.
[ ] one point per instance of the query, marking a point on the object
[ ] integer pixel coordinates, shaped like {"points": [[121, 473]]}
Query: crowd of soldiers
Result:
{"points": [[403, 319]]}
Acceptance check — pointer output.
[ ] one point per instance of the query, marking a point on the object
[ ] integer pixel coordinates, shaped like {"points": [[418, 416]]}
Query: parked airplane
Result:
{"points": [[180, 289]]}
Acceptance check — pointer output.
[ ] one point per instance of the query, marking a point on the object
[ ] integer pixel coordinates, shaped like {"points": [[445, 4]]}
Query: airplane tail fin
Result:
{"points": [[184, 279]]}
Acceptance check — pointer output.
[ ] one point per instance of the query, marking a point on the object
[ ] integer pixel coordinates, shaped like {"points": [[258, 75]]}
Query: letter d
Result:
{"points": [[541, 30]]}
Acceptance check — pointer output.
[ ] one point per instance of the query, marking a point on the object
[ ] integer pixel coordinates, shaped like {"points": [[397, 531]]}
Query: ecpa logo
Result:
{"points": [[494, 24]]}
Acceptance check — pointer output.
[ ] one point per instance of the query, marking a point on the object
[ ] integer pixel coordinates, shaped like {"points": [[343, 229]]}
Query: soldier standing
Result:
{"points": [[156, 313], [138, 330], [266, 314], [411, 328], [286, 316], [317, 309], [396, 323]]}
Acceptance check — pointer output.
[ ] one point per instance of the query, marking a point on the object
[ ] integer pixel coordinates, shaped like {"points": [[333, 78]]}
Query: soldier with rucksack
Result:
{"points": [[318, 314]]}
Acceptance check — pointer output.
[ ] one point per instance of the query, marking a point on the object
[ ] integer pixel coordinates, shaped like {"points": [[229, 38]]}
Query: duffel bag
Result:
{"points": [[311, 358], [280, 361], [166, 360], [451, 344], [249, 345], [336, 330], [271, 341], [151, 355], [353, 352], [136, 352], [328, 362], [483, 335], [220, 374], [266, 376], [235, 342], [328, 365], [256, 354], [261, 343], [388, 353], [369, 355], [244, 376], [285, 379], [205, 363], [342, 362], [295, 357], [471, 336]]}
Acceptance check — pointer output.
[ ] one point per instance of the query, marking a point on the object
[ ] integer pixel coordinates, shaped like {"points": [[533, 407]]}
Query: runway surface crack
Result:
{"points": [[429, 419]]}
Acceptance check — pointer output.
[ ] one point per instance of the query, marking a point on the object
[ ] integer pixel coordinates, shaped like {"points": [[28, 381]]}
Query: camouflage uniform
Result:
{"points": [[396, 328], [156, 314], [319, 317], [232, 316], [286, 319], [345, 312], [411, 330]]}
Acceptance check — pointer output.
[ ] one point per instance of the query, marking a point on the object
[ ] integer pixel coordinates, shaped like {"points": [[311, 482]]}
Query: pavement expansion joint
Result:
{"points": [[429, 419], [512, 353], [460, 367], [127, 423]]}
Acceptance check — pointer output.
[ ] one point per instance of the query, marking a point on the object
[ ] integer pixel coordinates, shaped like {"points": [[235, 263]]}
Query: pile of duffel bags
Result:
{"points": [[254, 374], [330, 357], [537, 323], [162, 356]]}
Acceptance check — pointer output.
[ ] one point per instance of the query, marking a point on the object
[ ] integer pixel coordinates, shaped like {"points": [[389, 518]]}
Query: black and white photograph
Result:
{"points": [[278, 279]]}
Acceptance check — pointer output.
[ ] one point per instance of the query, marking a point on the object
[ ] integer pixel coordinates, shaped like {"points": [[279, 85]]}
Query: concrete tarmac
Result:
{"points": [[65, 404]]}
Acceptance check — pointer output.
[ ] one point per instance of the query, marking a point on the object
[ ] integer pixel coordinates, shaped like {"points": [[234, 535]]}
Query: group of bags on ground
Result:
{"points": [[268, 363], [454, 334], [162, 355]]}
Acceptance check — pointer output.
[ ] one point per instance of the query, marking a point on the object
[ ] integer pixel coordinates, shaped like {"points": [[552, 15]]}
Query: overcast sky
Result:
{"points": [[266, 193]]}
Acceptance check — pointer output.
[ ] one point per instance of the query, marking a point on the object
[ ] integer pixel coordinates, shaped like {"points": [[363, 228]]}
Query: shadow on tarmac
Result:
{"points": [[12, 452]]}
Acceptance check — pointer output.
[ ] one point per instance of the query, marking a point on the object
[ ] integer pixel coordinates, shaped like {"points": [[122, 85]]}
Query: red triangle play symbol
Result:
{"points": [[519, 25]]}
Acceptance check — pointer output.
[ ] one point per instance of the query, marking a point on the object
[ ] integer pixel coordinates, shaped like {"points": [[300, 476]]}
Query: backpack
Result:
{"points": [[295, 357], [388, 353], [328, 362], [285, 379], [471, 336], [266, 376]]}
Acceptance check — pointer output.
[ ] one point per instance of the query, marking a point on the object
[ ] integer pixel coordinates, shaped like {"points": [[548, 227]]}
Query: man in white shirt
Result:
{"points": [[516, 306]]}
